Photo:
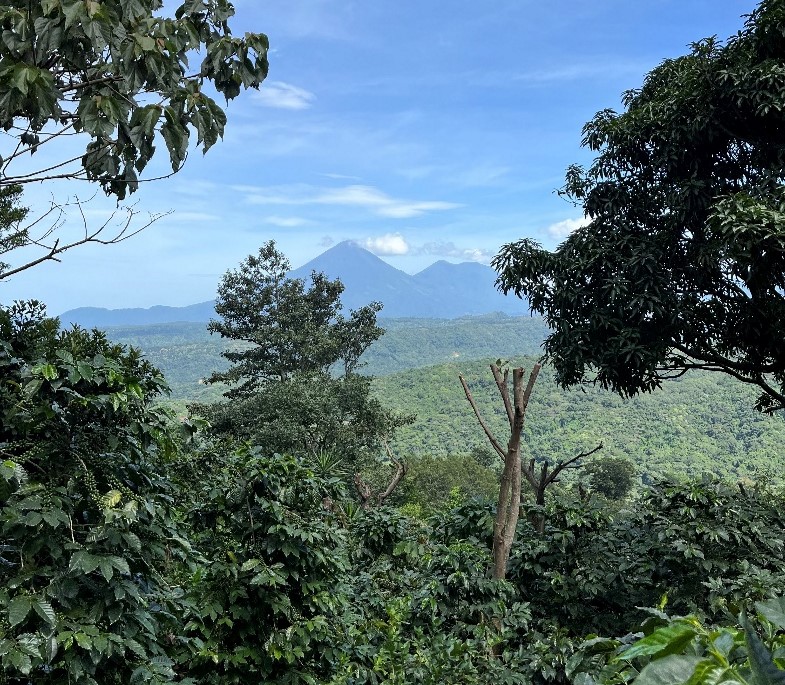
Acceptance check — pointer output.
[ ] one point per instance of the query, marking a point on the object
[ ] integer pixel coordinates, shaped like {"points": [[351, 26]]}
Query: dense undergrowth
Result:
{"points": [[133, 551]]}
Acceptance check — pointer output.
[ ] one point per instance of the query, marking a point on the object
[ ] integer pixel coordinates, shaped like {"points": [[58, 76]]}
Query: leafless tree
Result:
{"points": [[509, 505]]}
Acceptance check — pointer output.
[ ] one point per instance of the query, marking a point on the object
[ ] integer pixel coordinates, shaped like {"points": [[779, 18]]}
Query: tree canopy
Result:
{"points": [[682, 262], [292, 385], [287, 326], [117, 74]]}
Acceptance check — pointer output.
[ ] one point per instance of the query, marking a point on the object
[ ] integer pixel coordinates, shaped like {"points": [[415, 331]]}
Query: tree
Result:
{"points": [[509, 505], [87, 532], [612, 477], [114, 74], [682, 264], [292, 382], [285, 326], [118, 74]]}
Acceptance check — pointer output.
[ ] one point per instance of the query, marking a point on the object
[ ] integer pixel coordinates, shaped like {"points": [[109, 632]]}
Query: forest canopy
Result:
{"points": [[682, 263]]}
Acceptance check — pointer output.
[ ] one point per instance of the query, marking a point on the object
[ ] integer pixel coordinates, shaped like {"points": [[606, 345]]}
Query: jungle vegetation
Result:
{"points": [[138, 546]]}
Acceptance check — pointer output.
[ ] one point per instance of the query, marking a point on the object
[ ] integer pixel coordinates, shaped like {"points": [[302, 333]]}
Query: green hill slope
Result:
{"points": [[186, 352], [702, 423]]}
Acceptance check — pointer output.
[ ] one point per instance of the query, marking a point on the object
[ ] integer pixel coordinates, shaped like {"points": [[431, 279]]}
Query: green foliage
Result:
{"points": [[612, 477], [86, 522], [287, 327], [261, 601], [118, 73], [702, 424], [682, 265], [433, 482], [686, 650], [421, 610], [186, 353], [283, 391], [708, 546], [12, 235]]}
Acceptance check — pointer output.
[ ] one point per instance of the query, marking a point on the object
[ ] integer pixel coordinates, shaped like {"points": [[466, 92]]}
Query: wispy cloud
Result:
{"points": [[327, 241], [475, 176], [386, 245], [562, 229], [286, 221], [341, 177], [282, 95], [365, 197], [450, 249], [379, 202]]}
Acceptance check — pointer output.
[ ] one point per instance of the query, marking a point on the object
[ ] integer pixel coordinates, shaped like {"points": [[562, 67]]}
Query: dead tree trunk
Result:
{"points": [[508, 509], [509, 504]]}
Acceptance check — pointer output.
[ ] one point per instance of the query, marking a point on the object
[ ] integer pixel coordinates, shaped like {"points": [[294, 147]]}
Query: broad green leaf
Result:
{"points": [[671, 670], [250, 564], [18, 608], [773, 610], [666, 640], [45, 611], [136, 648], [107, 570], [763, 667], [50, 648], [111, 499], [83, 640], [21, 661]]}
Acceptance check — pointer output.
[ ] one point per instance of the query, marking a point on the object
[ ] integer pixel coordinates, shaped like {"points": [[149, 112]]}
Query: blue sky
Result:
{"points": [[423, 130]]}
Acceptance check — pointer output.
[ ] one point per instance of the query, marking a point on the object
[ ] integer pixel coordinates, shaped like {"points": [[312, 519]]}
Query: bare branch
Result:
{"points": [[571, 463], [100, 235], [494, 442], [501, 383], [400, 472]]}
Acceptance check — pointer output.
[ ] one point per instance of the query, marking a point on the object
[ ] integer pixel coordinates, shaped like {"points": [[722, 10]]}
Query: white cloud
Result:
{"points": [[449, 249], [366, 197], [562, 229], [379, 202], [327, 241], [286, 221], [387, 244], [283, 96]]}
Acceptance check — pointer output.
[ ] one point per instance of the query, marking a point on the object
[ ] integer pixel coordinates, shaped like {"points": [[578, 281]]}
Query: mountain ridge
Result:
{"points": [[442, 290]]}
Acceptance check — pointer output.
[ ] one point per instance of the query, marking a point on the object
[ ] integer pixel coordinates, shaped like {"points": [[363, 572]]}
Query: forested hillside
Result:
{"points": [[186, 352], [700, 424], [307, 529]]}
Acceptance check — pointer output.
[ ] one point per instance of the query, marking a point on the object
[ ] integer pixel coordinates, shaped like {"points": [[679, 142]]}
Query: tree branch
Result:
{"points": [[494, 442]]}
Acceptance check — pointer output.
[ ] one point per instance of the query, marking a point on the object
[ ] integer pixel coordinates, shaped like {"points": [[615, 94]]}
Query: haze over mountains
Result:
{"points": [[443, 290]]}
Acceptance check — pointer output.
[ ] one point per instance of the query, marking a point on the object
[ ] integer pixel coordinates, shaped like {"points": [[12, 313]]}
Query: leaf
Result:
{"points": [[671, 670], [18, 608], [107, 571], [250, 564], [136, 648], [45, 611], [773, 610], [50, 648], [666, 640], [764, 670], [111, 499]]}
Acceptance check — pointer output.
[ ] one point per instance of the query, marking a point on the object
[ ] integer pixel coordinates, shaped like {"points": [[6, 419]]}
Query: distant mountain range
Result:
{"points": [[443, 290]]}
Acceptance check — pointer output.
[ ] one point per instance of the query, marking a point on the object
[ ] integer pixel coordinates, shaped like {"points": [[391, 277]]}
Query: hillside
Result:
{"points": [[186, 352], [700, 424]]}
